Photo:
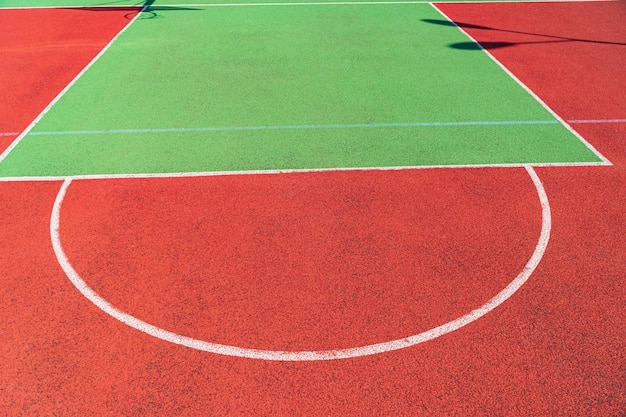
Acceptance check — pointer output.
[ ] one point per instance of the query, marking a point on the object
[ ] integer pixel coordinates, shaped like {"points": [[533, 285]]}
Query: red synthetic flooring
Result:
{"points": [[571, 54], [305, 261], [41, 51], [555, 348]]}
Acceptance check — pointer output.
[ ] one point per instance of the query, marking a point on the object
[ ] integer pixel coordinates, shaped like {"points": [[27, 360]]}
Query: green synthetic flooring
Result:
{"points": [[249, 88], [79, 3]]}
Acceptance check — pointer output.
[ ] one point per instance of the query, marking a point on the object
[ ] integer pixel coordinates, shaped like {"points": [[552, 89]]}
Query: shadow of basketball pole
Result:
{"points": [[146, 7], [473, 46]]}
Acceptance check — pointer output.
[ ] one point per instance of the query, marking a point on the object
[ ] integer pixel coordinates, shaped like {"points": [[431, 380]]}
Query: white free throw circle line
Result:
{"points": [[314, 355]]}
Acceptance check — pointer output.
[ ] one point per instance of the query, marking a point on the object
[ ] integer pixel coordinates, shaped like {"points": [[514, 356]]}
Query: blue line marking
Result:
{"points": [[296, 127]]}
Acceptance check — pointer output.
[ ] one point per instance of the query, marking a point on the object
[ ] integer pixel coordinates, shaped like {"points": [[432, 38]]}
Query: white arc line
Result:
{"points": [[275, 355]]}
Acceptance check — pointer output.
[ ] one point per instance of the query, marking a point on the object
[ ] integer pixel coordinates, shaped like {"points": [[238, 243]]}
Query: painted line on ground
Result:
{"points": [[269, 4], [524, 86], [294, 171], [345, 3], [24, 133], [138, 7], [363, 3], [322, 355], [296, 127], [320, 126], [598, 121]]}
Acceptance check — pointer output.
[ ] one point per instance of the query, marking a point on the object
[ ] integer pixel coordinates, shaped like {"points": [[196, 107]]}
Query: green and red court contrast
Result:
{"points": [[211, 89], [303, 208]]}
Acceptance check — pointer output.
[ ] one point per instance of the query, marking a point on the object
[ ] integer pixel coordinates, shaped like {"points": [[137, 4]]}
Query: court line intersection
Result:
{"points": [[28, 130], [494, 302]]}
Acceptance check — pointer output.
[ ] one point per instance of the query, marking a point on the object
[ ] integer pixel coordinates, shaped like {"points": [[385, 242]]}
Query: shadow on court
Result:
{"points": [[147, 8], [473, 46]]}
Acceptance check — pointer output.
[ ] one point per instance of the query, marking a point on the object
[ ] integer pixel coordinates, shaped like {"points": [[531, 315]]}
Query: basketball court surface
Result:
{"points": [[386, 208]]}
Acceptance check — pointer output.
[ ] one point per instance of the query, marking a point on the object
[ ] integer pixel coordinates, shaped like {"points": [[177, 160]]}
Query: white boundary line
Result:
{"points": [[365, 3], [293, 171], [605, 161], [525, 87], [330, 3], [17, 140], [128, 6], [274, 355], [597, 121]]}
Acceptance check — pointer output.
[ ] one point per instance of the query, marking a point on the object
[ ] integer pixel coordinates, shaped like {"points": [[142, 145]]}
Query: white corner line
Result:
{"points": [[25, 132], [322, 355], [525, 87]]}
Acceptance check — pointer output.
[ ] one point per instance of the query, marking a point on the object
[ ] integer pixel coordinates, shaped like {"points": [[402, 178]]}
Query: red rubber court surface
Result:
{"points": [[354, 258], [42, 50], [571, 54], [302, 261]]}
